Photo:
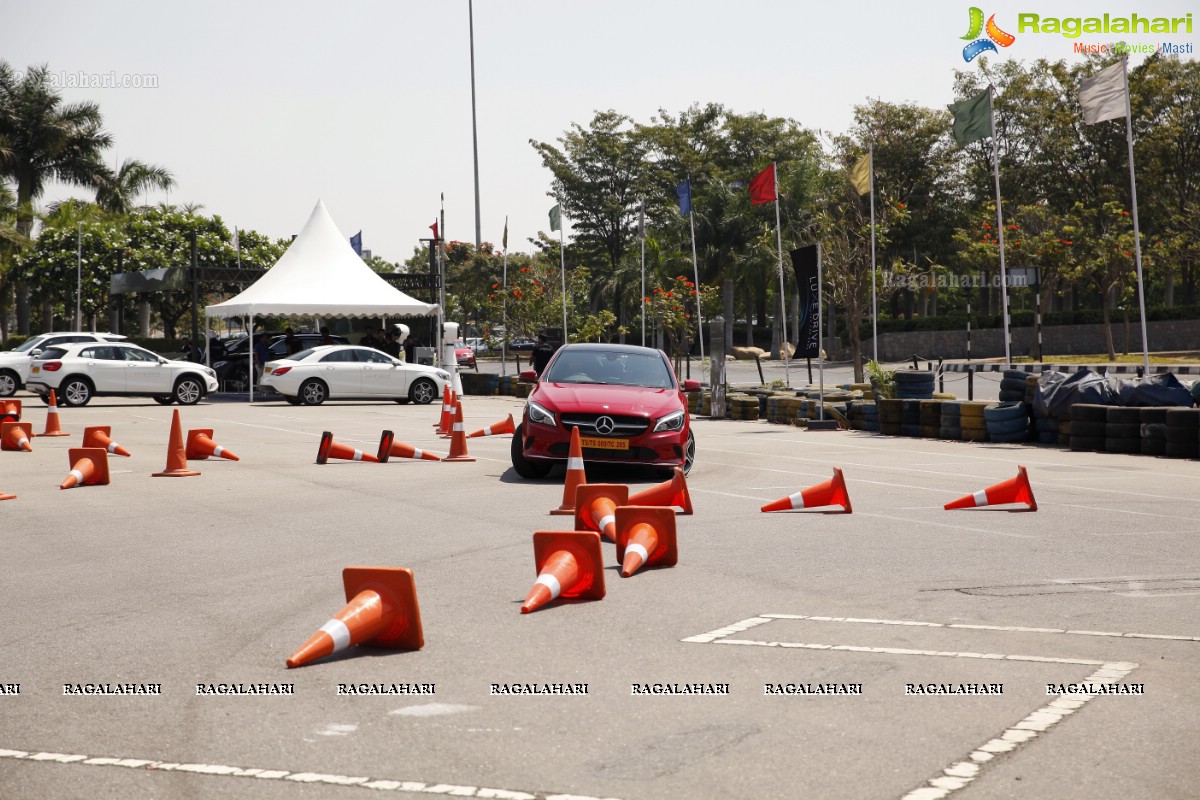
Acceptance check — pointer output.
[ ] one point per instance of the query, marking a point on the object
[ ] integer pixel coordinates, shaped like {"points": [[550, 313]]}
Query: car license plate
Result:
{"points": [[36, 370], [604, 444]]}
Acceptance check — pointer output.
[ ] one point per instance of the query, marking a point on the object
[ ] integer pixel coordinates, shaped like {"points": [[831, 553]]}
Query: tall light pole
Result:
{"points": [[474, 130]]}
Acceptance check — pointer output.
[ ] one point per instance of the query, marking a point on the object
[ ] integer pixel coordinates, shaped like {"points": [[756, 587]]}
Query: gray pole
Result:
{"points": [[1000, 227], [474, 131], [820, 337], [642, 301], [874, 293], [1137, 233], [787, 361], [696, 272], [79, 278]]}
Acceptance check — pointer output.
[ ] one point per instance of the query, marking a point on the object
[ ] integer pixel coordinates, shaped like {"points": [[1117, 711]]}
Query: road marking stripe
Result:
{"points": [[450, 789], [903, 651]]}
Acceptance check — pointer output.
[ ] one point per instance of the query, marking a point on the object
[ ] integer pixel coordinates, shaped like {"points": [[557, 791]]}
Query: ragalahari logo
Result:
{"points": [[995, 36]]}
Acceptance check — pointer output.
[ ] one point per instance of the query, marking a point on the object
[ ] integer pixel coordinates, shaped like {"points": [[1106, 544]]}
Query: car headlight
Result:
{"points": [[443, 375], [539, 414], [671, 422], [209, 372]]}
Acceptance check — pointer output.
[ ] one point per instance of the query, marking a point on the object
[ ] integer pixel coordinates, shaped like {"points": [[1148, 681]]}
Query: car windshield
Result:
{"points": [[29, 344], [611, 368]]}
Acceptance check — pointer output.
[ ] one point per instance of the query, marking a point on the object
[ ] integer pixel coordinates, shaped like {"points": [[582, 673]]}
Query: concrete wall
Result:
{"points": [[1056, 340]]}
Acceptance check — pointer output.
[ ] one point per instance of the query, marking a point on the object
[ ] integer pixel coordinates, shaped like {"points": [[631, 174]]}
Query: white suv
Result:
{"points": [[14, 364], [79, 372]]}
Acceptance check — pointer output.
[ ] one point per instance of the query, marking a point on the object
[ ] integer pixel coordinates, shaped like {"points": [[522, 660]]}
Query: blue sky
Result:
{"points": [[262, 108]]}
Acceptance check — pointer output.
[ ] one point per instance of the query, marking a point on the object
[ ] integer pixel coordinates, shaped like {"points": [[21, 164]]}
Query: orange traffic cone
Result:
{"points": [[177, 466], [669, 493], [52, 428], [569, 564], [10, 410], [458, 442], [4, 496], [645, 536], [98, 436], [89, 467], [388, 447], [446, 421], [496, 430], [200, 446], [830, 493], [381, 611], [15, 436], [595, 504], [576, 476], [1013, 490], [330, 449]]}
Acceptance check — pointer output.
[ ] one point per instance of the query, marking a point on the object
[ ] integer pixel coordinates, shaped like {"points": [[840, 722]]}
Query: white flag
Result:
{"points": [[234, 240], [1103, 96]]}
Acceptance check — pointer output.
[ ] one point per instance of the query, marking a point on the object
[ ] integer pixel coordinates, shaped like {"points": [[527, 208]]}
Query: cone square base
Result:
{"points": [[10, 435], [587, 493], [385, 446], [99, 458], [585, 546], [662, 519], [398, 590], [190, 448]]}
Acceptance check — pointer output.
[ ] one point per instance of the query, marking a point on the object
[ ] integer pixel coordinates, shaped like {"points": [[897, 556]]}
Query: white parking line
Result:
{"points": [[416, 787], [963, 772]]}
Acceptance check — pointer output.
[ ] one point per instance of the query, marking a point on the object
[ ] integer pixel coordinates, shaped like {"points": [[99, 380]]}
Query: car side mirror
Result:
{"points": [[691, 386], [162, 360], [35, 353], [528, 376]]}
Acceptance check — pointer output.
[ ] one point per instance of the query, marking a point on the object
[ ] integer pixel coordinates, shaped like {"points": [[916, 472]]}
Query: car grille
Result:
{"points": [[562, 450], [622, 425]]}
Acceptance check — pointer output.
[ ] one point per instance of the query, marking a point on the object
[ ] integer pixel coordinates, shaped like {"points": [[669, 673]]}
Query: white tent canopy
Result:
{"points": [[321, 275]]}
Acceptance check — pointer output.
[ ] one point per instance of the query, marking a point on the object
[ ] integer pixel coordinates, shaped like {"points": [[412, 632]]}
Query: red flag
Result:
{"points": [[762, 188], [433, 228]]}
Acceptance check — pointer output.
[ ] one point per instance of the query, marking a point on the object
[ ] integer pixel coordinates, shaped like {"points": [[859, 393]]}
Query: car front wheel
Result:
{"points": [[188, 391], [689, 452], [76, 392], [8, 383], [523, 466], [422, 391], [314, 392]]}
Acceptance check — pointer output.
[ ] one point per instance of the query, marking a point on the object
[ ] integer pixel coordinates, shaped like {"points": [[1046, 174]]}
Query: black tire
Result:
{"points": [[1153, 430], [1016, 374], [1011, 397], [295, 401], [1153, 416], [530, 470], [9, 383], [422, 391], [1089, 412], [1124, 430], [1087, 443], [1183, 418], [1009, 438], [313, 392], [1153, 447], [188, 390], [1000, 412], [75, 391], [1013, 385], [1123, 444], [689, 453], [1123, 414], [1095, 430], [1008, 427], [1180, 449], [1179, 435], [949, 433], [164, 401], [402, 401]]}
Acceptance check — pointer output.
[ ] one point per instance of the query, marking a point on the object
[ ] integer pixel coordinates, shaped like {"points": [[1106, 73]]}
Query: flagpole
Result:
{"points": [[820, 340], [1000, 227], [474, 127], [504, 305], [1137, 233], [874, 292], [787, 366], [642, 297], [237, 243], [696, 272], [441, 262], [562, 261]]}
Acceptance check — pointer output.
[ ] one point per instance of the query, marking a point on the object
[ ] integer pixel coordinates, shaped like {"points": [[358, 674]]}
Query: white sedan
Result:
{"points": [[349, 372], [80, 371]]}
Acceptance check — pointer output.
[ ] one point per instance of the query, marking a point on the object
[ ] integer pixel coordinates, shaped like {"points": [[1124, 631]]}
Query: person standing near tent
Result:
{"points": [[390, 345], [541, 354], [261, 354], [410, 349], [293, 344]]}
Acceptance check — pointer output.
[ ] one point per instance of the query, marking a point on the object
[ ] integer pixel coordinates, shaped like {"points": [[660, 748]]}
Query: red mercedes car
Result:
{"points": [[625, 400]]}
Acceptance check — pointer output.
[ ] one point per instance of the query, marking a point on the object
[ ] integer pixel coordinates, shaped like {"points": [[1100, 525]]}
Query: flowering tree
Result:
{"points": [[673, 309]]}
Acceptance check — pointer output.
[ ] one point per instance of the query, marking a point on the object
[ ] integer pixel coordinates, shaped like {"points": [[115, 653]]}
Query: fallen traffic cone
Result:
{"points": [[645, 536], [15, 436], [177, 466], [10, 410], [1013, 490], [569, 564], [200, 446], [595, 504], [669, 493], [4, 496], [381, 611], [446, 421], [576, 476], [89, 467], [830, 493], [52, 428], [496, 430], [330, 449], [458, 441], [388, 447], [98, 436]]}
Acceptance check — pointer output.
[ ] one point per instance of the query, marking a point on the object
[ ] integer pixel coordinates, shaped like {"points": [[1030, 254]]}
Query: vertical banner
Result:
{"points": [[804, 262]]}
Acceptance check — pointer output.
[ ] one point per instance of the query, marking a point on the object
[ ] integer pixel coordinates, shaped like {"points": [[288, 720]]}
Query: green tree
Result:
{"points": [[118, 191]]}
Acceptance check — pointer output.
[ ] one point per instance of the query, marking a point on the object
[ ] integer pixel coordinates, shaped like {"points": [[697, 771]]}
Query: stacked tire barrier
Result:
{"points": [[869, 412], [914, 384], [930, 415], [693, 402], [950, 420], [783, 409], [1012, 385], [1123, 430], [742, 406], [1182, 432], [1089, 425], [889, 416], [1153, 423], [507, 384], [479, 383], [910, 417], [1007, 421], [971, 420], [704, 408]]}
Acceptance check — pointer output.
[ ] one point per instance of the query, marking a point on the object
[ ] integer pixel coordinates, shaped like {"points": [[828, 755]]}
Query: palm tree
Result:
{"points": [[117, 191], [45, 140]]}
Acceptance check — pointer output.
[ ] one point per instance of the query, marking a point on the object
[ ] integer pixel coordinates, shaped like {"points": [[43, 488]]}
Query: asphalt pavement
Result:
{"points": [[906, 609]]}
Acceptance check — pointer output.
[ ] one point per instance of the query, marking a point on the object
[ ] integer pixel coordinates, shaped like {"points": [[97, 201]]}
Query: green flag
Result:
{"points": [[972, 118], [556, 218]]}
